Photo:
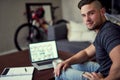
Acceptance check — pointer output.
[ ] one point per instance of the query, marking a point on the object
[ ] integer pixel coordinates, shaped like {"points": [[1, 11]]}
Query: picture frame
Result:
{"points": [[31, 7]]}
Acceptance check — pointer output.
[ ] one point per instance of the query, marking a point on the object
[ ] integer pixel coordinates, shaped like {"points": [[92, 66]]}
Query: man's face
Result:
{"points": [[92, 16]]}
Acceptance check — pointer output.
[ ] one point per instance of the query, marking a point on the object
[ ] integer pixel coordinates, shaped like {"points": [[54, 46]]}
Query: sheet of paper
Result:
{"points": [[20, 70], [18, 73], [23, 77]]}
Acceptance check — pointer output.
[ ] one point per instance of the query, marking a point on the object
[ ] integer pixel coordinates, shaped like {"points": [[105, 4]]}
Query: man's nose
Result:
{"points": [[87, 18]]}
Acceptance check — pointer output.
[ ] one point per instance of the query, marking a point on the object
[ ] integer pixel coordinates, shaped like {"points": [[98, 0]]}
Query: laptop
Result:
{"points": [[42, 54]]}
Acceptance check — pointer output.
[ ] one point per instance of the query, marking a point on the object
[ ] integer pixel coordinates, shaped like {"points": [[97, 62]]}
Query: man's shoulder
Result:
{"points": [[109, 27], [109, 24]]}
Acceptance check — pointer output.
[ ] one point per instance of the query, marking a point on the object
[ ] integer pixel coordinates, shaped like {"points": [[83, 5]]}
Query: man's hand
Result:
{"points": [[61, 66], [93, 76]]}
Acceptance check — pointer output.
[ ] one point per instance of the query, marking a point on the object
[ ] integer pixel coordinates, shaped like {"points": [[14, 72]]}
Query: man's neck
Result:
{"points": [[103, 21]]}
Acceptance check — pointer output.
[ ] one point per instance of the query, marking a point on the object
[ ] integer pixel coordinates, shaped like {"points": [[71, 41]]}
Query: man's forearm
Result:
{"points": [[80, 57]]}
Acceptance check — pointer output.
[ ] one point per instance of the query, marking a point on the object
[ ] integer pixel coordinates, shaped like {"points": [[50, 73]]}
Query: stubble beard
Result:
{"points": [[96, 26]]}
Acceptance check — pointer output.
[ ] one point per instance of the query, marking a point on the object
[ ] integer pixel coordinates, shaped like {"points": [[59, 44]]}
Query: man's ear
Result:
{"points": [[103, 11]]}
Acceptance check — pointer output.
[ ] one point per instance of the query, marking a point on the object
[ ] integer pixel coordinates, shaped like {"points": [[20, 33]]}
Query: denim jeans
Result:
{"points": [[76, 71]]}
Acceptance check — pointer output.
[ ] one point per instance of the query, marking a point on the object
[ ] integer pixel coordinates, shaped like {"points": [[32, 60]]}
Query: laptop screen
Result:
{"points": [[43, 51]]}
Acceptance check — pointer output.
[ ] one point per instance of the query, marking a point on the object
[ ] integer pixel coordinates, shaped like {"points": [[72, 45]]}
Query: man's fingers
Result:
{"points": [[92, 76], [57, 70], [64, 67], [95, 74], [60, 66], [88, 75]]}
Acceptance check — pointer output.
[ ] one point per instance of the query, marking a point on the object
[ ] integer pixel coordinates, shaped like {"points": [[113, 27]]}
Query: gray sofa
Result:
{"points": [[58, 32]]}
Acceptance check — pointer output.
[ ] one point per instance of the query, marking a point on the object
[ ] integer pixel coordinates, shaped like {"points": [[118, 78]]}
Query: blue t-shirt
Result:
{"points": [[107, 38]]}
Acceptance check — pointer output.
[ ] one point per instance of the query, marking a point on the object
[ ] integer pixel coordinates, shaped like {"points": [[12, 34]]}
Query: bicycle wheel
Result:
{"points": [[26, 34]]}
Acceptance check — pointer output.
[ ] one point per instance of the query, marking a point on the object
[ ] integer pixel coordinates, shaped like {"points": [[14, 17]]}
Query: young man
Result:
{"points": [[106, 48]]}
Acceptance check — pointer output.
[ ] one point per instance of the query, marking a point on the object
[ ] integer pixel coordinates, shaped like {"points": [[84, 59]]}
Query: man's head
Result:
{"points": [[92, 12]]}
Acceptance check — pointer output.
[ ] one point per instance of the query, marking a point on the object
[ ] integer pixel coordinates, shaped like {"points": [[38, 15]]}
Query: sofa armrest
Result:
{"points": [[57, 32]]}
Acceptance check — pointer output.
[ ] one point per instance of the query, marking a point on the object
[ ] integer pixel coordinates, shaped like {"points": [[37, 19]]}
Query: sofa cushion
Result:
{"points": [[71, 47], [79, 32], [57, 32]]}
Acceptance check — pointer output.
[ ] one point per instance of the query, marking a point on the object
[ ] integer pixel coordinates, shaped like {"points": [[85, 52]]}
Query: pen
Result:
{"points": [[25, 70]]}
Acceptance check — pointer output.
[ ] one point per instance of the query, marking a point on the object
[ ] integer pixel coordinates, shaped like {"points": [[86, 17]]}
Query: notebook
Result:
{"points": [[17, 73], [42, 54]]}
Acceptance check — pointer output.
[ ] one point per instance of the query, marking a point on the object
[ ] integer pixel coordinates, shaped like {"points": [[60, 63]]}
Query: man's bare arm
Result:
{"points": [[83, 55], [79, 57], [114, 73]]}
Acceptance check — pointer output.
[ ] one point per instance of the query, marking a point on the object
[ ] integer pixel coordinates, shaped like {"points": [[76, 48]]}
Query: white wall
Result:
{"points": [[71, 10], [11, 16]]}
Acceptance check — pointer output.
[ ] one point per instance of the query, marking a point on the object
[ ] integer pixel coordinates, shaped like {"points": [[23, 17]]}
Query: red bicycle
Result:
{"points": [[31, 32]]}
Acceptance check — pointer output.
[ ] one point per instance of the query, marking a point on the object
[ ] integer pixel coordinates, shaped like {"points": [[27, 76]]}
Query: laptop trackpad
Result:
{"points": [[42, 67]]}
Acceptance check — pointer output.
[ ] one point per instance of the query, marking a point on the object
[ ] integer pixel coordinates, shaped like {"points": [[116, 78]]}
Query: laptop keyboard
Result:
{"points": [[44, 63]]}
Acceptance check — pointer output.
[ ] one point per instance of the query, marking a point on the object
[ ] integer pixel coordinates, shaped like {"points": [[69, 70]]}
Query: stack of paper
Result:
{"points": [[17, 73]]}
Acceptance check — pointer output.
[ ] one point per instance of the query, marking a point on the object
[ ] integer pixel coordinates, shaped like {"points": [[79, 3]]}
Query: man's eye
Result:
{"points": [[91, 13], [83, 15]]}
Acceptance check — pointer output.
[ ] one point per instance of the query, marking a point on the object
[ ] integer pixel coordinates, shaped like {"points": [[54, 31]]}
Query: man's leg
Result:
{"points": [[75, 73]]}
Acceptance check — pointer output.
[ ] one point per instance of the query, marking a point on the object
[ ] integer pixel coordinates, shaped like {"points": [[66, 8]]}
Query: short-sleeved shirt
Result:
{"points": [[107, 38]]}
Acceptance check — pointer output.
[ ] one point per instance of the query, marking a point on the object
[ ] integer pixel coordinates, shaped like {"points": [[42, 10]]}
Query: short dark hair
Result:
{"points": [[84, 2]]}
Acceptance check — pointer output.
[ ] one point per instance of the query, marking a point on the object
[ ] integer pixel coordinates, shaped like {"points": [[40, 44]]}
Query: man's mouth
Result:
{"points": [[89, 24]]}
